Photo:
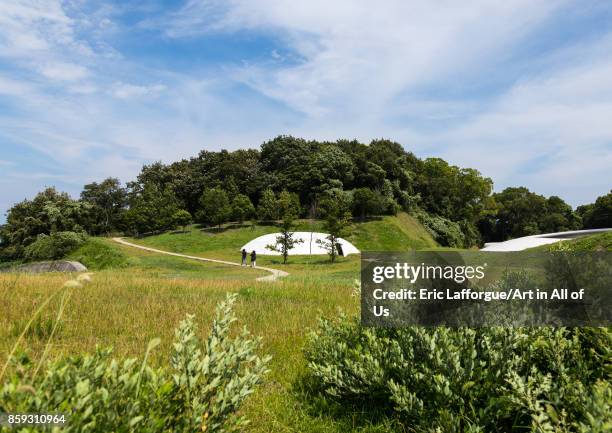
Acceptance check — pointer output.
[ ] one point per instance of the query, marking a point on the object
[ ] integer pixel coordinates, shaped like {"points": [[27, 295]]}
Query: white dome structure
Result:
{"points": [[520, 244], [309, 245]]}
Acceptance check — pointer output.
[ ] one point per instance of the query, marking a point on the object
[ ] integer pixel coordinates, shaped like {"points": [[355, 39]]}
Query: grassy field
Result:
{"points": [[127, 309], [136, 296], [390, 233]]}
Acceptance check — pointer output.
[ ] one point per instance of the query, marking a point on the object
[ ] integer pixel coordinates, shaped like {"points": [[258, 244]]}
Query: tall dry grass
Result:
{"points": [[126, 310]]}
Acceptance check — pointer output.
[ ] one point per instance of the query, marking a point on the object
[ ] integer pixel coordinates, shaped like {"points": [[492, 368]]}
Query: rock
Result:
{"points": [[54, 266]]}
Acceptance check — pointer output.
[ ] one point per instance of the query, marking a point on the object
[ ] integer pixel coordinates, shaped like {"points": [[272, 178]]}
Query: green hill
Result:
{"points": [[389, 233], [599, 242]]}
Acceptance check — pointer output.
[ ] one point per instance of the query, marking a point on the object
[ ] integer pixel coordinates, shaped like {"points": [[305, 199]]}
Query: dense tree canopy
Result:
{"points": [[599, 214], [108, 200], [242, 208], [49, 212], [215, 207], [267, 209], [455, 204], [519, 212], [151, 209]]}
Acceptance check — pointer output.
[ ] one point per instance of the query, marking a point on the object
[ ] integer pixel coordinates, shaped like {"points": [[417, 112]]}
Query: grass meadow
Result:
{"points": [[127, 309], [135, 296]]}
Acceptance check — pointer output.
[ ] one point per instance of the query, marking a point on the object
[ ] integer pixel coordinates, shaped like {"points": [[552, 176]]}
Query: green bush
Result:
{"points": [[54, 246], [97, 254], [201, 391], [444, 231], [496, 379]]}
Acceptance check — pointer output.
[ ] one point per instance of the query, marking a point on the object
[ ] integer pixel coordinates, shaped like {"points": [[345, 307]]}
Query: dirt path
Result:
{"points": [[274, 273]]}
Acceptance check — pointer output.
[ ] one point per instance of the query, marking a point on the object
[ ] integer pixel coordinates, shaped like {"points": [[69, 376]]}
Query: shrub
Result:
{"points": [[202, 390], [493, 379], [181, 218], [54, 246], [97, 254], [444, 231]]}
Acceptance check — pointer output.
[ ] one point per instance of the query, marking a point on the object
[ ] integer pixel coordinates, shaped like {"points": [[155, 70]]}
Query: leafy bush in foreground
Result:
{"points": [[201, 391], [468, 380], [54, 246]]}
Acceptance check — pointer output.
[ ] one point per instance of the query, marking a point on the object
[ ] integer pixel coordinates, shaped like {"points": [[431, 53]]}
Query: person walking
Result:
{"points": [[244, 257], [253, 259]]}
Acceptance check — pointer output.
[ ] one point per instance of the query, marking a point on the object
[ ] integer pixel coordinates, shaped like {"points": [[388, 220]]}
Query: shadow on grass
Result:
{"points": [[180, 232], [359, 220], [366, 416], [214, 230]]}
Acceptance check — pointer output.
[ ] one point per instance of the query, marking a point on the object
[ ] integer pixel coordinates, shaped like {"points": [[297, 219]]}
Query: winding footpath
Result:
{"points": [[274, 273]]}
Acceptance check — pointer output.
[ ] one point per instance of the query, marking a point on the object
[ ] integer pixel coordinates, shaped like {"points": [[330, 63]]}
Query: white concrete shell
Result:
{"points": [[309, 245], [520, 244]]}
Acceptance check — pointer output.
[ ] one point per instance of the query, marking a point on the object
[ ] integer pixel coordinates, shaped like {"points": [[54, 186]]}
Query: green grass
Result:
{"points": [[599, 242], [137, 295], [98, 254], [390, 233], [101, 254], [126, 308]]}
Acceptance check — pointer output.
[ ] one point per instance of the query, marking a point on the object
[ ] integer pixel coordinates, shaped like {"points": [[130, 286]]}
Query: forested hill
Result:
{"points": [[455, 204]]}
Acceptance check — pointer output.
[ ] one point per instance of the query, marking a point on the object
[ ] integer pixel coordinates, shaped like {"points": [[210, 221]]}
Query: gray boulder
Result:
{"points": [[52, 266]]}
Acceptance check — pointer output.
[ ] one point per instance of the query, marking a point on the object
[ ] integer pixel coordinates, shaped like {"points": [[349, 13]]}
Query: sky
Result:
{"points": [[518, 89]]}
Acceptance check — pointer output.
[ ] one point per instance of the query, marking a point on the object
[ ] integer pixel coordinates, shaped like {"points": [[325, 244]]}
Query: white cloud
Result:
{"points": [[128, 91], [356, 54], [30, 26], [9, 86], [365, 68], [551, 133], [64, 71], [342, 69]]}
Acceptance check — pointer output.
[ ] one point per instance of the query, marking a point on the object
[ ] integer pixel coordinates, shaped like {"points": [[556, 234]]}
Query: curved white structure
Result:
{"points": [[309, 245], [520, 244]]}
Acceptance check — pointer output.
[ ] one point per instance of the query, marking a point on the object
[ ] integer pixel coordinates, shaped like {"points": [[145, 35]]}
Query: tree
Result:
{"points": [[366, 202], [267, 209], [452, 192], [335, 209], [182, 218], [108, 201], [302, 166], [152, 209], [599, 214], [54, 246], [286, 240], [521, 212], [215, 207], [49, 212], [242, 208], [288, 203], [559, 216]]}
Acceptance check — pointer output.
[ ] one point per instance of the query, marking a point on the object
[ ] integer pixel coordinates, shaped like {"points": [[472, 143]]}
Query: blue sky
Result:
{"points": [[520, 89]]}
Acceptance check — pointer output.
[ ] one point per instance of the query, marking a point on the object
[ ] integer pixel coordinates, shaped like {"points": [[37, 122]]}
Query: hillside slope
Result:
{"points": [[599, 242], [389, 233]]}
